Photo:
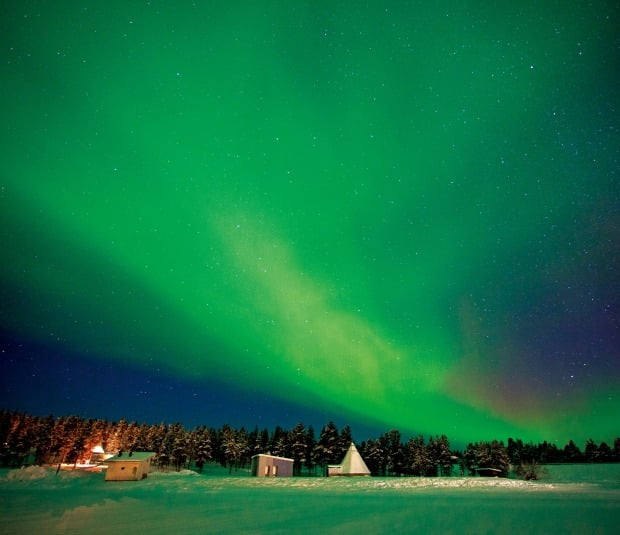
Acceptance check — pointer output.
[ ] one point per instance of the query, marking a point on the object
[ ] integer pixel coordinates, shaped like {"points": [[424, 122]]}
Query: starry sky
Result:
{"points": [[386, 214]]}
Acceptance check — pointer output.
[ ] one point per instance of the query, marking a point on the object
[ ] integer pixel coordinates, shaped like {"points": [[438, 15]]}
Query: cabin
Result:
{"points": [[271, 466], [484, 471], [351, 465], [129, 466], [334, 470]]}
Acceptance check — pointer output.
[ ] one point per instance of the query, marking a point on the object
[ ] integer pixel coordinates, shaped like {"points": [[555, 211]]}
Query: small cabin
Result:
{"points": [[334, 470], [129, 466], [489, 472], [271, 466]]}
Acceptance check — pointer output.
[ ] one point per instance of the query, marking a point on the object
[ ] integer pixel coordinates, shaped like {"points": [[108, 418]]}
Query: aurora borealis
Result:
{"points": [[389, 214]]}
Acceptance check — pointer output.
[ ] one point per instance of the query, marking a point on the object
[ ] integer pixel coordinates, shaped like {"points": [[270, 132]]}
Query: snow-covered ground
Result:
{"points": [[573, 499]]}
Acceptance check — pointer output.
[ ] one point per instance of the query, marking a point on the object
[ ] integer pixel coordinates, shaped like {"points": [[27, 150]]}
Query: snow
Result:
{"points": [[572, 499]]}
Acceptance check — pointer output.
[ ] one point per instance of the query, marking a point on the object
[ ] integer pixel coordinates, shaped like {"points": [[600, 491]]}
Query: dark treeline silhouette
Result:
{"points": [[26, 439]]}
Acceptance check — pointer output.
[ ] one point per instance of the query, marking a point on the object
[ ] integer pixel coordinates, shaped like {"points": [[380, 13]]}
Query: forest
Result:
{"points": [[27, 439]]}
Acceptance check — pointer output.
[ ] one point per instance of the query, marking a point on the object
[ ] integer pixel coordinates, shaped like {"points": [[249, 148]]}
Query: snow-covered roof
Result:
{"points": [[127, 456], [272, 457]]}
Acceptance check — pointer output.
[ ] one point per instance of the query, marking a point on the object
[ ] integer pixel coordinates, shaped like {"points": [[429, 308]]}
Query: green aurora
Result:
{"points": [[403, 213]]}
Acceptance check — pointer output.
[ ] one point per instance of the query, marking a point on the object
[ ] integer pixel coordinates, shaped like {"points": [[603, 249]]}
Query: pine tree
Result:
{"points": [[326, 449], [180, 450], [234, 444], [254, 442], [374, 456], [442, 456], [141, 440], [217, 445], [469, 459], [100, 435], [572, 453], [279, 443], [204, 452], [130, 437], [395, 454], [604, 453], [344, 442], [43, 437], [547, 453], [155, 438], [19, 440], [298, 447], [493, 455], [119, 436], [514, 450], [57, 441], [310, 444], [171, 448], [591, 452], [242, 441], [262, 445], [418, 458]]}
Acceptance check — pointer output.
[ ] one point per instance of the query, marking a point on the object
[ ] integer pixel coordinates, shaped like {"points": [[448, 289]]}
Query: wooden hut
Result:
{"points": [[129, 466], [485, 471], [271, 466]]}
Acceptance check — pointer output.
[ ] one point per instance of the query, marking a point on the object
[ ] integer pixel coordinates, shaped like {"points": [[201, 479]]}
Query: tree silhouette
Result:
{"points": [[298, 447], [48, 440]]}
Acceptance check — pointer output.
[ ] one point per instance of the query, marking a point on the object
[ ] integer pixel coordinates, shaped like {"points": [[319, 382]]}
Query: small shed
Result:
{"points": [[334, 470], [269, 465], [129, 466], [485, 471]]}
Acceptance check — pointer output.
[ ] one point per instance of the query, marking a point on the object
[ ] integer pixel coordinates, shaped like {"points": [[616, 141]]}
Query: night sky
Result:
{"points": [[386, 214]]}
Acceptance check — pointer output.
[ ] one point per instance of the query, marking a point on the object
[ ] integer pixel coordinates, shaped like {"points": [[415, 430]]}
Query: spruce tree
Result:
{"points": [[326, 449], [298, 447], [310, 444]]}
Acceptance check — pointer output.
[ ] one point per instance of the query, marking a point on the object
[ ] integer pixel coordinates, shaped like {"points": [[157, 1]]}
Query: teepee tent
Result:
{"points": [[352, 464]]}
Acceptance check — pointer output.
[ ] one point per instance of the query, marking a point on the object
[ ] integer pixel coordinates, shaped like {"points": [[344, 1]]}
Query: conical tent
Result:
{"points": [[353, 464]]}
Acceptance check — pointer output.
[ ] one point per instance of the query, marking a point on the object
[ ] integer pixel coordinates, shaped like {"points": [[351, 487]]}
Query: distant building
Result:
{"points": [[489, 472], [351, 465], [129, 466], [98, 456], [271, 466], [333, 470]]}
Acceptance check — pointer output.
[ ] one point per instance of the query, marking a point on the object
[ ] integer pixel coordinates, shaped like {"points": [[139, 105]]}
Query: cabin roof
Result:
{"points": [[272, 457], [128, 456]]}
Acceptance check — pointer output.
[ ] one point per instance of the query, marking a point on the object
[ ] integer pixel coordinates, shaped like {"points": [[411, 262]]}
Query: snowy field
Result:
{"points": [[572, 499]]}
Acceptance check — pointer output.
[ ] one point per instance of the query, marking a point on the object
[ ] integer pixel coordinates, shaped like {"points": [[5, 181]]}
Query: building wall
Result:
{"points": [[270, 466]]}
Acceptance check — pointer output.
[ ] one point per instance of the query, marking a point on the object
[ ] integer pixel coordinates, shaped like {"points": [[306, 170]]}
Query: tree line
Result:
{"points": [[26, 439]]}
